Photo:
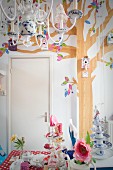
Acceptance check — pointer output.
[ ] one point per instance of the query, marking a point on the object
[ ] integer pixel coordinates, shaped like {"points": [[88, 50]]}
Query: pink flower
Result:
{"points": [[53, 120], [82, 151]]}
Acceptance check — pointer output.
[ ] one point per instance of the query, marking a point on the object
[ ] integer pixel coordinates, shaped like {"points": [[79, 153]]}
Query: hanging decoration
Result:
{"points": [[69, 84], [110, 63], [87, 22], [93, 29], [31, 19], [110, 38], [85, 65], [4, 49], [95, 4], [58, 49]]}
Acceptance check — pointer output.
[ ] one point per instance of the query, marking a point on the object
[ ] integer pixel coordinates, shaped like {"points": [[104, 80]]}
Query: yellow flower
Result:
{"points": [[13, 138]]}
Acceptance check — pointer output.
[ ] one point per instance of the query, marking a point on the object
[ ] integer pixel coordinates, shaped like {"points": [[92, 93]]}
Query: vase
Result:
{"points": [[74, 166]]}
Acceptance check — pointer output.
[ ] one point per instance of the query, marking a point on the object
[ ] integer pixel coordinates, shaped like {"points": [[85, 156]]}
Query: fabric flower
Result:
{"points": [[13, 138], [82, 151]]}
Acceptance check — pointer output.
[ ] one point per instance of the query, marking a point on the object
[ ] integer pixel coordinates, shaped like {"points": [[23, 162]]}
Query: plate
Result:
{"points": [[104, 136], [107, 154], [75, 13], [104, 146]]}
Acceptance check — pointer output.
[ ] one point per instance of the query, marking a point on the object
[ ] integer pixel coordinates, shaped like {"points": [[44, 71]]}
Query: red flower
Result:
{"points": [[82, 151]]}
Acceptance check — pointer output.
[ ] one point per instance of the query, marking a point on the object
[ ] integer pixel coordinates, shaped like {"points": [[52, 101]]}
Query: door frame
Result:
{"points": [[48, 55]]}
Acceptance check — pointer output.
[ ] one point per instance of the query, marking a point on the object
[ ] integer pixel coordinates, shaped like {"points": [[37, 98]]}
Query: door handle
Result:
{"points": [[45, 116]]}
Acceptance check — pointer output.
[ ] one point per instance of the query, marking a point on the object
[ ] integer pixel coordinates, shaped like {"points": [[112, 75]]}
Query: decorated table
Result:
{"points": [[15, 153]]}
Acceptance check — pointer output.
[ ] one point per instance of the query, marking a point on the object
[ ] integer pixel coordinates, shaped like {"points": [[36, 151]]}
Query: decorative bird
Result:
{"points": [[72, 132]]}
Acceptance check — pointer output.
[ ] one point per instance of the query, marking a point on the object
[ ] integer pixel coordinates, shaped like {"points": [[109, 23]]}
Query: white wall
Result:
{"points": [[102, 84], [63, 107]]}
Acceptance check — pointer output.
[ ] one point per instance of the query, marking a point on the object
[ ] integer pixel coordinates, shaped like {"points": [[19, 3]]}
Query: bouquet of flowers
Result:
{"points": [[83, 150], [19, 142]]}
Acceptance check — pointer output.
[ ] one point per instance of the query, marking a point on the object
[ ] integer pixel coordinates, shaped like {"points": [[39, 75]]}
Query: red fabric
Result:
{"points": [[6, 164]]}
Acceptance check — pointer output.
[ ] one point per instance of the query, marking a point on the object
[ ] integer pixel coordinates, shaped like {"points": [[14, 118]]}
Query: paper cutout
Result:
{"points": [[69, 84], [4, 49], [95, 4], [87, 22], [110, 64]]}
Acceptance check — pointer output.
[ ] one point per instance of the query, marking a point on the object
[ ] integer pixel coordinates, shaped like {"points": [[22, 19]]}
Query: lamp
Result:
{"points": [[32, 19]]}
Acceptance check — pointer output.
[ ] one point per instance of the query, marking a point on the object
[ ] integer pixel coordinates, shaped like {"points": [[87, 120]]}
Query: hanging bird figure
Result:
{"points": [[73, 132]]}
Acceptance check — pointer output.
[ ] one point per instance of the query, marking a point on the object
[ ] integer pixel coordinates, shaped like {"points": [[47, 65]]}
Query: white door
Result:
{"points": [[30, 100]]}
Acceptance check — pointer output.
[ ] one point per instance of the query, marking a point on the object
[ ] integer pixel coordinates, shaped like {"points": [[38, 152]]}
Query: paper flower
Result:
{"points": [[13, 138], [53, 120], [82, 151], [19, 142]]}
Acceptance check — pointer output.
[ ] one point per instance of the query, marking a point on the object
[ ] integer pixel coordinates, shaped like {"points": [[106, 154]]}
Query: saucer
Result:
{"points": [[107, 154]]}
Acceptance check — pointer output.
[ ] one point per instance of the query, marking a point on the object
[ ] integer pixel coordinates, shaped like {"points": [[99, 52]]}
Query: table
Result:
{"points": [[6, 164], [100, 163]]}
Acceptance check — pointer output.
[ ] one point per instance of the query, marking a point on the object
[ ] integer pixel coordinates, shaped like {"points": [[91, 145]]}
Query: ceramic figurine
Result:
{"points": [[100, 138]]}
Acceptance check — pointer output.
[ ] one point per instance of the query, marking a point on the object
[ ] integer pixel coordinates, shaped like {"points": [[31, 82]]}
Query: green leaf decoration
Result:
{"points": [[91, 144], [63, 1], [60, 55], [93, 159], [3, 49], [8, 0], [17, 142], [107, 64], [88, 138], [63, 44], [64, 83], [78, 162], [17, 146], [21, 142]]}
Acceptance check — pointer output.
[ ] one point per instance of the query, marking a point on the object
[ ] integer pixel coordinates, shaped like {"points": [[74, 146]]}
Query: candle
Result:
{"points": [[12, 26], [61, 22], [75, 4], [40, 29]]}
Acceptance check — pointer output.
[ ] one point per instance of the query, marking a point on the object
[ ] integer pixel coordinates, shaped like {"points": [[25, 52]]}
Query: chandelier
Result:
{"points": [[28, 18]]}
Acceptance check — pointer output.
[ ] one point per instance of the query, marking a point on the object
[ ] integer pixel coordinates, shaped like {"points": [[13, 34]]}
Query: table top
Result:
{"points": [[6, 164]]}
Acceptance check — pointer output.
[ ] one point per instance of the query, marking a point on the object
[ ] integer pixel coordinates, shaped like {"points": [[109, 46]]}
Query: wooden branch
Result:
{"points": [[93, 77], [108, 6], [71, 51], [84, 6], [80, 5]]}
